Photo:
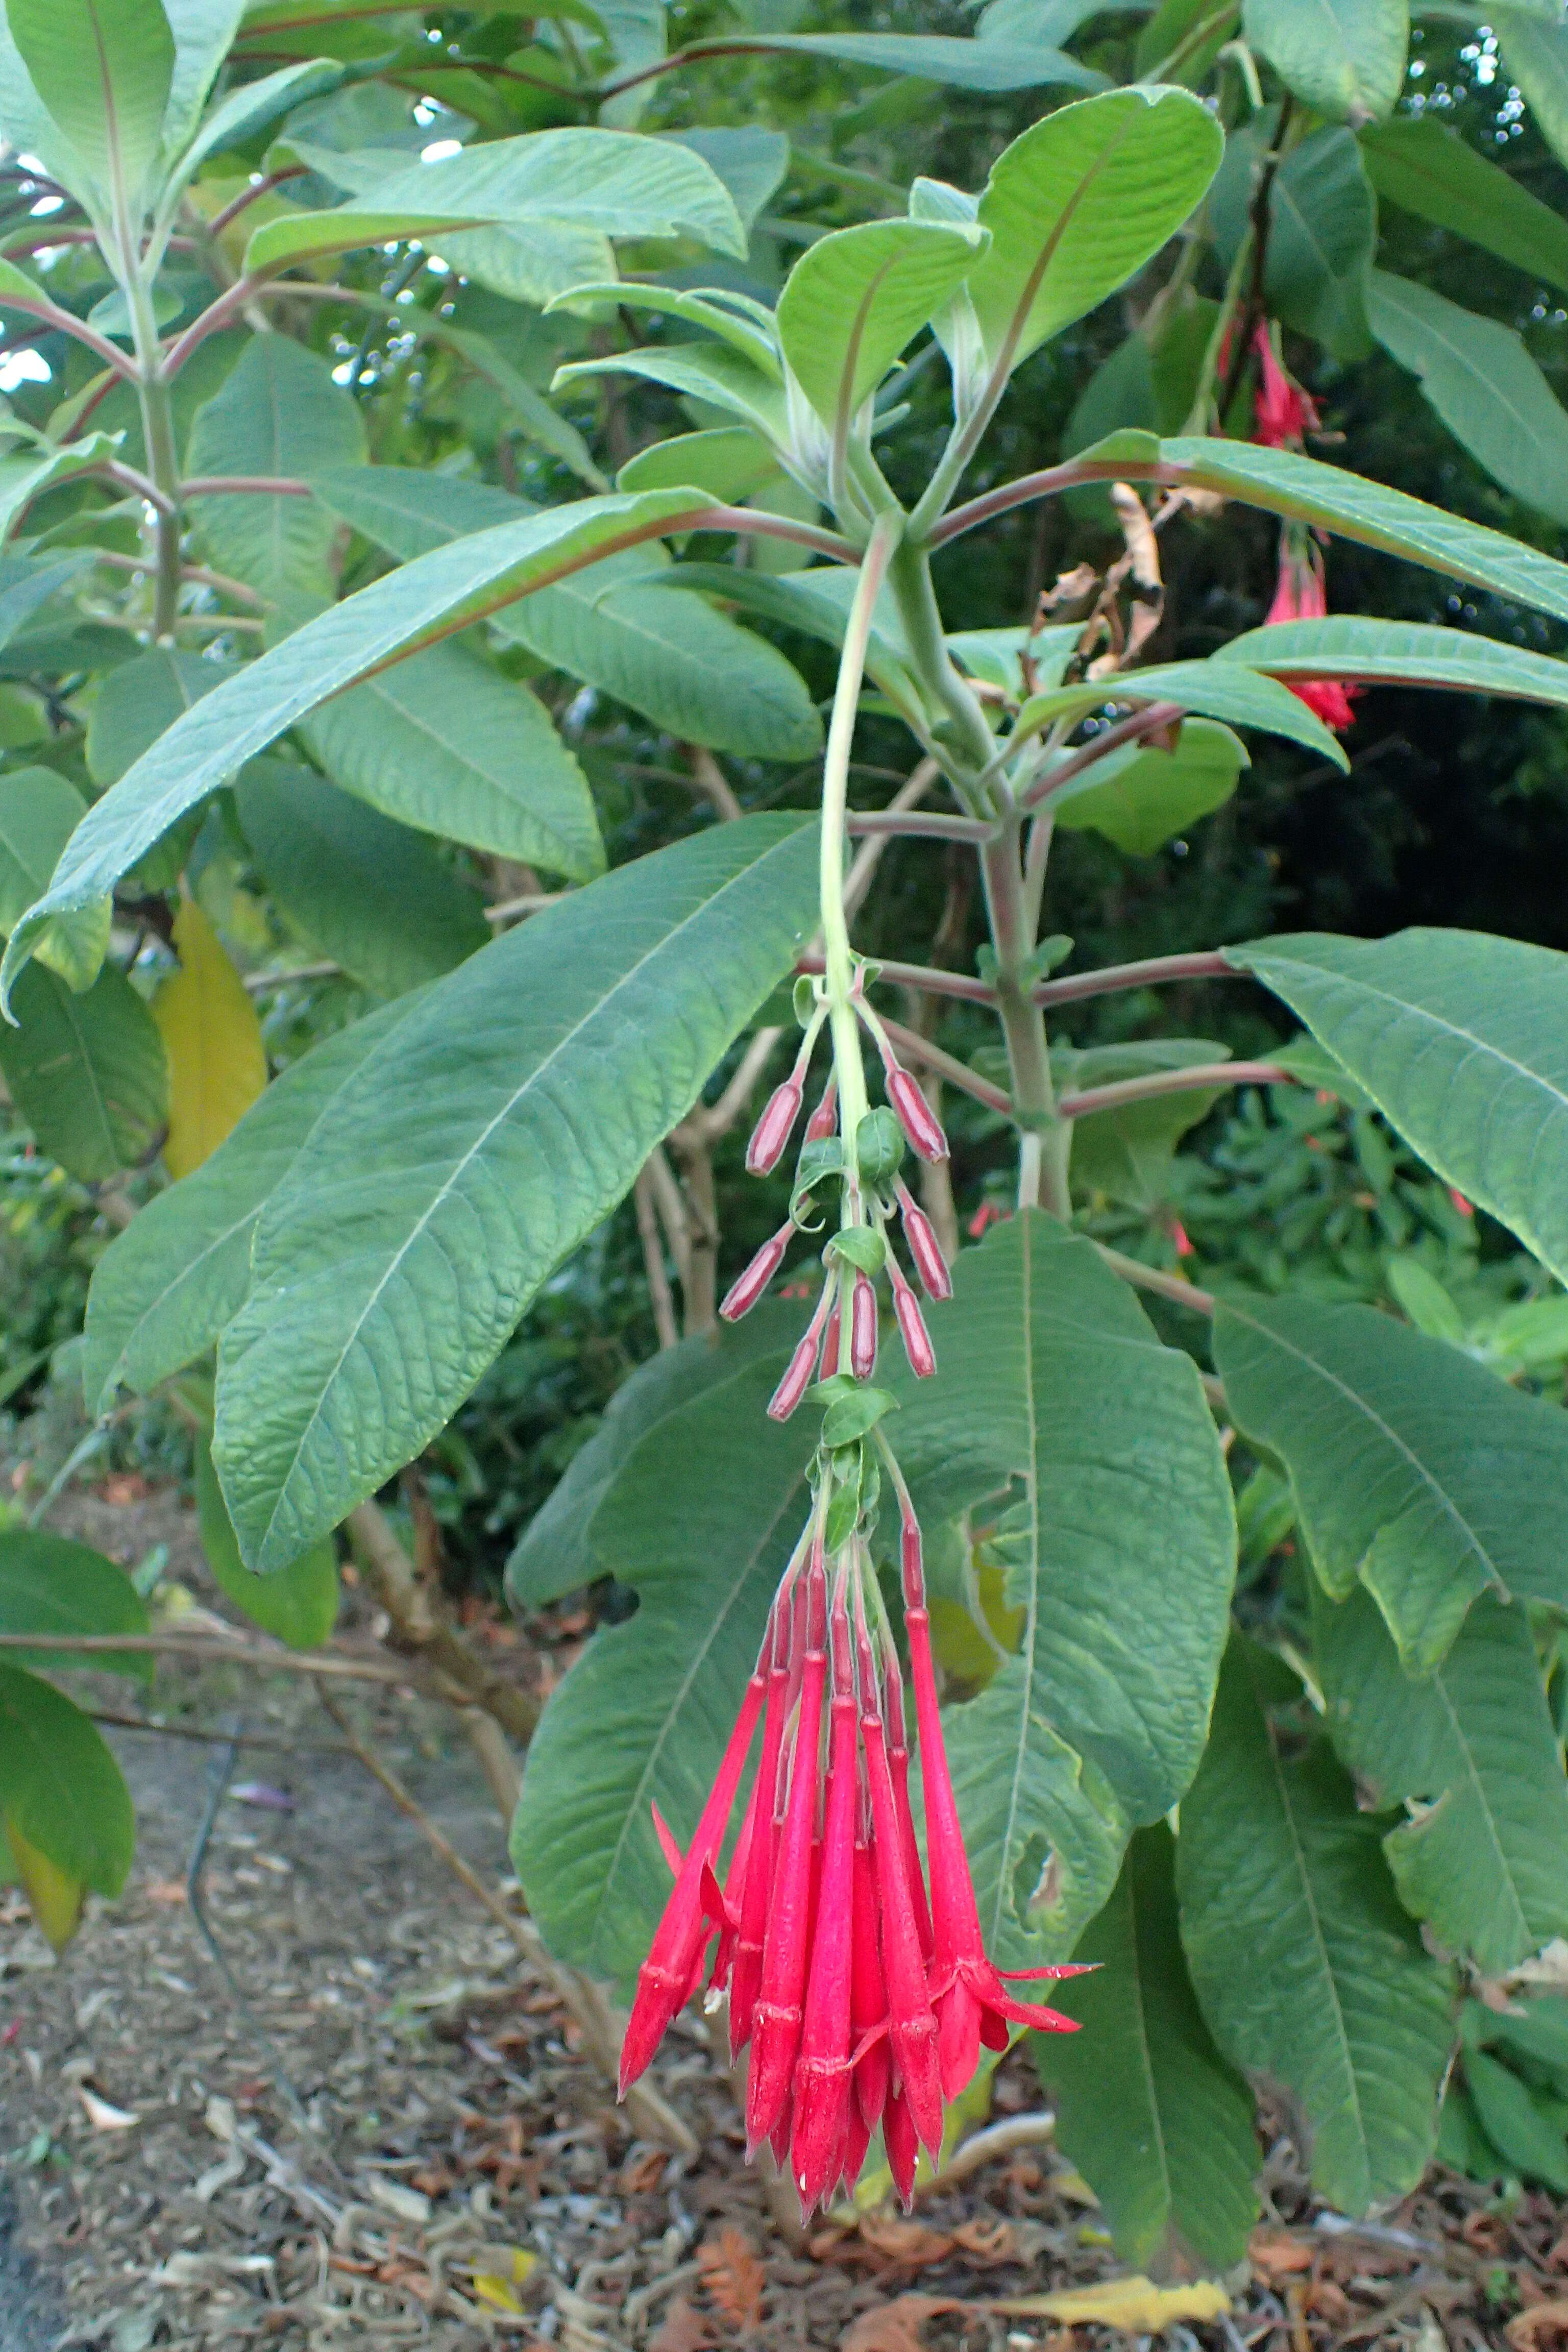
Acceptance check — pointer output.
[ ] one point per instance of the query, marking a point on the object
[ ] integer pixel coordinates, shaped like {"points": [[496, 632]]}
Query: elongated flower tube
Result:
{"points": [[912, 2023], [916, 1116], [924, 1247], [822, 2068], [911, 1324], [868, 1996], [772, 1131], [747, 1968], [862, 1329], [803, 1363], [776, 2016], [748, 1287]]}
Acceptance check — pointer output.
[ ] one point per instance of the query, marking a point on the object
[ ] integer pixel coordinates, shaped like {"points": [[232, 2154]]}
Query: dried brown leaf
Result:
{"points": [[684, 2329], [732, 2275], [896, 2326], [1537, 2330]]}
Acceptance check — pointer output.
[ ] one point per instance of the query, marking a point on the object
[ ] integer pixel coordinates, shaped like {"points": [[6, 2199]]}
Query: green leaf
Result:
{"points": [[1425, 1301], [1128, 1153], [203, 33], [28, 127], [1306, 1966], [1147, 2109], [1462, 1043], [444, 742], [297, 1603], [367, 892], [23, 478], [1204, 686], [242, 112], [729, 463], [713, 373], [1414, 1469], [103, 69], [989, 67], [700, 1514], [1079, 203], [1535, 2029], [816, 603], [1140, 798], [1532, 2144], [278, 413], [1322, 227], [559, 1549], [50, 1585], [752, 163], [431, 598], [1535, 55], [587, 1033], [1401, 653], [137, 702], [1483, 384], [87, 1073], [611, 183], [1472, 1754], [39, 810], [1306, 490], [60, 1787], [855, 299], [541, 423], [1119, 1542], [734, 319], [166, 1286], [1419, 164], [687, 668], [1344, 58]]}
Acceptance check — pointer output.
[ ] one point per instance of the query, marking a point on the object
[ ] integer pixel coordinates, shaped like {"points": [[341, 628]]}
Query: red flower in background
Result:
{"points": [[1282, 414], [1299, 595]]}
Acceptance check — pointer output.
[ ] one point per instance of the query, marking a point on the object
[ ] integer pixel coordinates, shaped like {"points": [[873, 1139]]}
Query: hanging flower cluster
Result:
{"points": [[864, 2000], [1300, 595], [863, 1997], [1282, 413]]}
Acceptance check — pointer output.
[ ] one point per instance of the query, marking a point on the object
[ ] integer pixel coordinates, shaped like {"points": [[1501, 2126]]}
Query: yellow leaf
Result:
{"points": [[495, 2291], [217, 1063], [56, 1900], [1134, 2304]]}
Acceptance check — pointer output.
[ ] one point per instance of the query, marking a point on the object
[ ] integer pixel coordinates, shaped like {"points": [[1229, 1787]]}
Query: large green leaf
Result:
{"points": [[1322, 227], [713, 373], [991, 66], [1335, 500], [1470, 1751], [87, 1073], [39, 810], [1425, 168], [1306, 1969], [167, 1285], [1535, 54], [434, 1196], [1079, 203], [815, 602], [1401, 653], [855, 299], [102, 69], [681, 665], [1462, 1042], [446, 743], [298, 1603], [701, 1516], [1058, 1421], [1414, 1469], [1345, 57], [25, 475], [50, 1585], [428, 599], [203, 31], [611, 183], [361, 888], [241, 112], [560, 1547], [59, 1786], [137, 701], [1140, 798], [1482, 383], [1204, 686], [1157, 2123], [279, 413]]}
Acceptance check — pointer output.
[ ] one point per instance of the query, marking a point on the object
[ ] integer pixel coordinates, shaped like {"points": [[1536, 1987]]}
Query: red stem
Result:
{"points": [[232, 210], [1149, 973], [913, 1047], [917, 976], [932, 827], [1173, 1082], [1148, 721]]}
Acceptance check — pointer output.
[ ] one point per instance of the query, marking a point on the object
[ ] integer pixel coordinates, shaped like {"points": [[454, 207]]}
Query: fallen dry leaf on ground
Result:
{"points": [[896, 2326], [732, 2275], [1533, 2331], [683, 2329], [1136, 2304], [1276, 2254]]}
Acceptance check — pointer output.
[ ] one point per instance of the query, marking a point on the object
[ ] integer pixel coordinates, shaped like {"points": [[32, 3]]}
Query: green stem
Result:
{"points": [[1043, 1158], [839, 963], [158, 432], [960, 734]]}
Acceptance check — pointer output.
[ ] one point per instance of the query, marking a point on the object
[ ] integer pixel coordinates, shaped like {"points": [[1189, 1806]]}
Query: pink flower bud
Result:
{"points": [[825, 1117], [796, 1382], [744, 1292], [772, 1131], [830, 1344], [924, 1247], [911, 1325], [916, 1116], [863, 1329]]}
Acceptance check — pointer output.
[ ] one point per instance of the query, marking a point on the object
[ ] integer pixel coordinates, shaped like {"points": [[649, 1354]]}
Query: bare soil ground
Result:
{"points": [[390, 2139]]}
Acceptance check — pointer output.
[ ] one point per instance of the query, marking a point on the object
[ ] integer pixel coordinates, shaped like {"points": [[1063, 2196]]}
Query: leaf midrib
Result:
{"points": [[1308, 1896]]}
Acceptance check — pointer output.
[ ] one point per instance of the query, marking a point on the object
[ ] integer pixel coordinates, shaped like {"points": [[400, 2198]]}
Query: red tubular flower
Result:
{"points": [[776, 2016], [748, 1287], [772, 1131], [912, 1325], [916, 1116], [973, 2002], [862, 1329], [868, 1999], [911, 2024], [682, 1933], [746, 1972], [830, 1339], [1282, 413], [803, 1363], [900, 2141], [821, 2084], [924, 1247], [899, 1772], [1300, 595]]}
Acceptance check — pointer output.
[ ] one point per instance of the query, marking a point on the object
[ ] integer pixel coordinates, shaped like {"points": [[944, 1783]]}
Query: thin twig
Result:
{"points": [[263, 187], [709, 778], [211, 1738], [921, 825], [206, 1650], [926, 977], [1156, 1083], [1151, 971], [1173, 1286], [982, 2147], [257, 983], [672, 1212], [715, 1119], [947, 1066], [660, 1297], [868, 857]]}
